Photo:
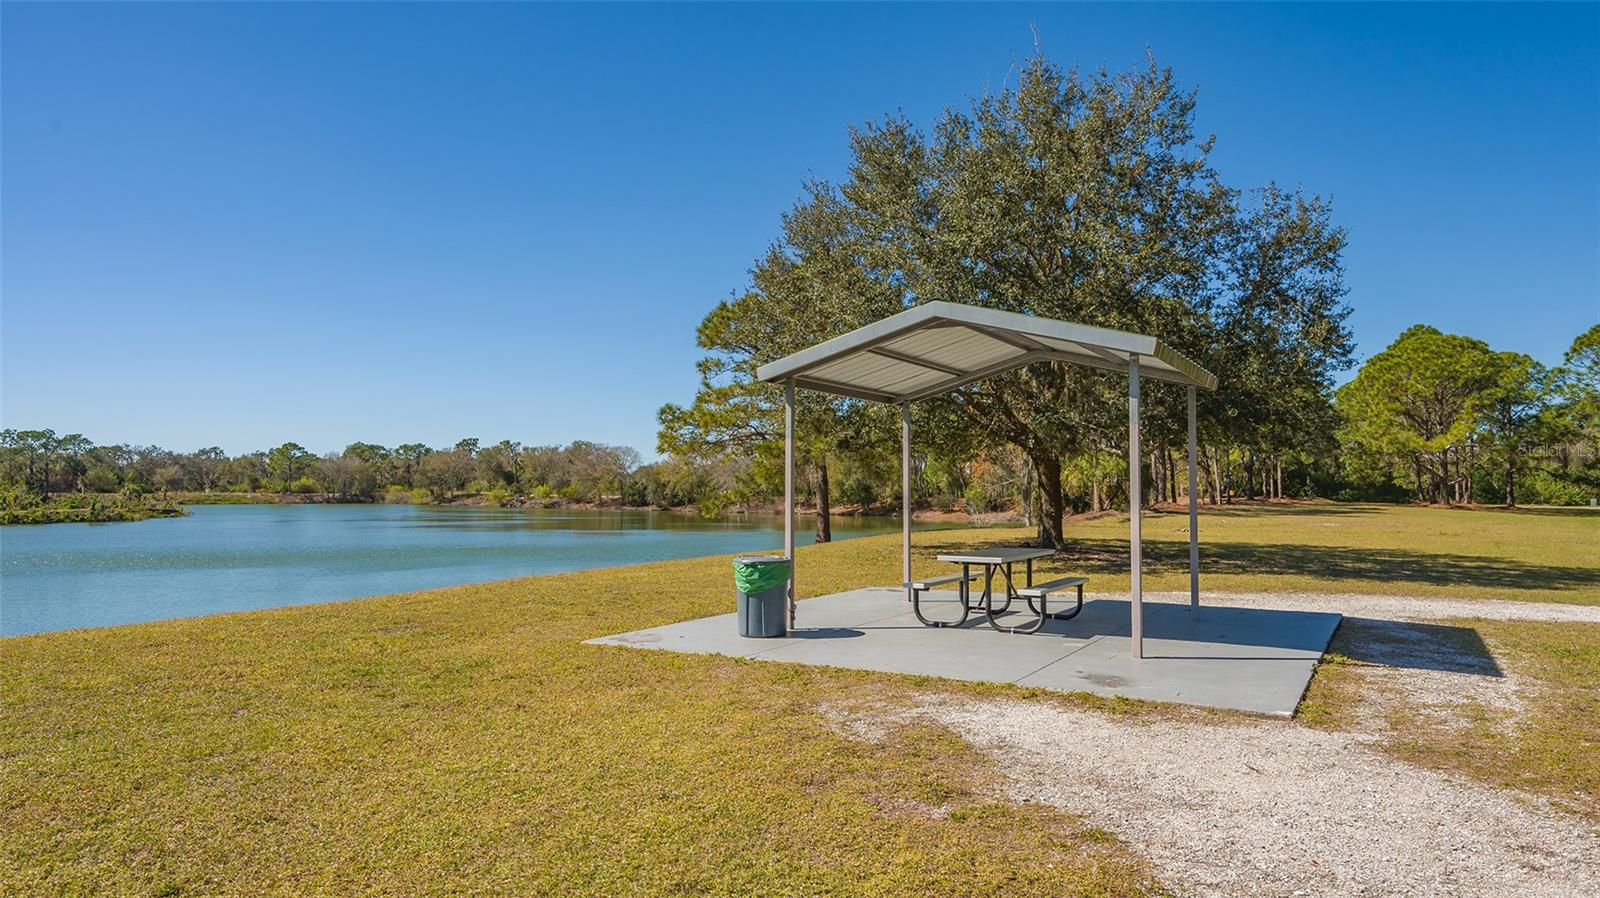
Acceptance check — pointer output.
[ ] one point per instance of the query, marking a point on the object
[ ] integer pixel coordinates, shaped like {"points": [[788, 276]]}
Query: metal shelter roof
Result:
{"points": [[937, 346]]}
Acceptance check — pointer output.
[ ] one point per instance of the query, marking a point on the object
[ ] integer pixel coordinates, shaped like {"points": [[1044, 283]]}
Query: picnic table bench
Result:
{"points": [[991, 561]]}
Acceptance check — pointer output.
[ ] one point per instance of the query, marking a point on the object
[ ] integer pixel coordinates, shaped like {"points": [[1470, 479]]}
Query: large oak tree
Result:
{"points": [[1085, 198]]}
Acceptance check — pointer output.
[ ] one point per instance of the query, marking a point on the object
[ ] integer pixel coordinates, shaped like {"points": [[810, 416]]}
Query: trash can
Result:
{"points": [[762, 582]]}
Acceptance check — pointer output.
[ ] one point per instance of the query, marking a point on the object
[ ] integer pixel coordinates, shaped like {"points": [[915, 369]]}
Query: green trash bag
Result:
{"points": [[759, 573]]}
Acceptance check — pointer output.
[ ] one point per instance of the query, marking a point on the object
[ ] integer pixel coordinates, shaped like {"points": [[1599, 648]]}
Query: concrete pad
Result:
{"points": [[1244, 659], [719, 635]]}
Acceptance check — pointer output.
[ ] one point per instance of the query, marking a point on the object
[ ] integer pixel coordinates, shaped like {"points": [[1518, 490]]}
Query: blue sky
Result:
{"points": [[237, 225]]}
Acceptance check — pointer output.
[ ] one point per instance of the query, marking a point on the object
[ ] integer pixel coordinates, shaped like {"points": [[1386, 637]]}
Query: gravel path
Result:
{"points": [[1246, 808], [1395, 607], [1280, 809]]}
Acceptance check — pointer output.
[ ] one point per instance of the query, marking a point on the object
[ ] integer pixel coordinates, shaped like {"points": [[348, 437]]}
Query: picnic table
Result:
{"points": [[992, 561]]}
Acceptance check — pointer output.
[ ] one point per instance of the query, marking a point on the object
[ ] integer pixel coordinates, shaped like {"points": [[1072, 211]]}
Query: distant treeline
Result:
{"points": [[1435, 417], [43, 464]]}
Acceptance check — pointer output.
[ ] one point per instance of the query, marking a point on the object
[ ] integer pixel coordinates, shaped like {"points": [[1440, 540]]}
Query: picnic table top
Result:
{"points": [[996, 556]]}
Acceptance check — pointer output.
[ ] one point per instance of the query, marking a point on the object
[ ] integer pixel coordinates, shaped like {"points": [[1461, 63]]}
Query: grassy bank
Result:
{"points": [[464, 741], [85, 508]]}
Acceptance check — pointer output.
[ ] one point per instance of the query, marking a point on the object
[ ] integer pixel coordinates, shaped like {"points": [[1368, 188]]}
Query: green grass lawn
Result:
{"points": [[464, 741], [1544, 554]]}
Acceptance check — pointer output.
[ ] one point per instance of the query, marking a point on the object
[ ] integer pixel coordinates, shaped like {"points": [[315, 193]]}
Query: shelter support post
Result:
{"points": [[1194, 516], [1135, 500], [788, 489], [905, 497]]}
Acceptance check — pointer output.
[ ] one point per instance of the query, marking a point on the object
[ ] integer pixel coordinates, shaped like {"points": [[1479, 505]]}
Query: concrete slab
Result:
{"points": [[1237, 658]]}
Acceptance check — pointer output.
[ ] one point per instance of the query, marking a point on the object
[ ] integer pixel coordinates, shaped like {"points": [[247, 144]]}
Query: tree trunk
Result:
{"points": [[824, 506], [1029, 493], [1511, 481], [1051, 509], [1172, 476], [1216, 478], [1249, 464]]}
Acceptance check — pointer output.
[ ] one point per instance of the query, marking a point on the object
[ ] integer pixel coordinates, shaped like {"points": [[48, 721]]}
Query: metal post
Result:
{"points": [[1135, 495], [905, 496], [788, 489], [1194, 517]]}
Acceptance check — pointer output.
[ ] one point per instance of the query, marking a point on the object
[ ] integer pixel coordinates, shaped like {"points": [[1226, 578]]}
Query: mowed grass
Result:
{"points": [[465, 741], [1541, 554]]}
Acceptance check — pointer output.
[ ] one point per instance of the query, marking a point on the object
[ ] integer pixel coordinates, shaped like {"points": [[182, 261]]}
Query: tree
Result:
{"points": [[1084, 198], [598, 470], [205, 467], [500, 464], [346, 475], [1576, 386], [408, 459], [1511, 405], [34, 455], [445, 472], [288, 463], [1416, 402], [811, 283]]}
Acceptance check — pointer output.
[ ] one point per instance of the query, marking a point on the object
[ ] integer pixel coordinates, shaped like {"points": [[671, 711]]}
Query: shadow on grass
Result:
{"points": [[1575, 511], [1245, 509], [1090, 556], [1416, 646]]}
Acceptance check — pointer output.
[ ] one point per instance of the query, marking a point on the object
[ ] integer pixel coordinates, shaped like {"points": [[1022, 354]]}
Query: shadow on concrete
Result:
{"points": [[825, 633]]}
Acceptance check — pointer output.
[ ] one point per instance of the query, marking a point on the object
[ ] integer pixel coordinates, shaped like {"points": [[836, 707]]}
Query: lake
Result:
{"points": [[240, 557]]}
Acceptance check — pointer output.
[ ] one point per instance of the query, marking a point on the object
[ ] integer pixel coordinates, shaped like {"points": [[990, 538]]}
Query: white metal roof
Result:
{"points": [[937, 346]]}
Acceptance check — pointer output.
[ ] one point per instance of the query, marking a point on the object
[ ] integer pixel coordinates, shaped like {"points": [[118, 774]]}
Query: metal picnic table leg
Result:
{"points": [[1058, 615], [990, 612], [1005, 573], [963, 598]]}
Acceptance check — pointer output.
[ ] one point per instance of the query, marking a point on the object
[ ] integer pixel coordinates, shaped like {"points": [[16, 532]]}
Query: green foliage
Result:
{"points": [[1411, 404], [1452, 420], [19, 505], [1089, 199], [288, 463], [1542, 487]]}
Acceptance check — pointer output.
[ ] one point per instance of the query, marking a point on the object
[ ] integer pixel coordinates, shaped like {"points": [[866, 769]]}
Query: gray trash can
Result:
{"points": [[762, 582]]}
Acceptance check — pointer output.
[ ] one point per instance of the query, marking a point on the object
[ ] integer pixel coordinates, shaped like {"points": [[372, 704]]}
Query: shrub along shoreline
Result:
{"points": [[82, 508]]}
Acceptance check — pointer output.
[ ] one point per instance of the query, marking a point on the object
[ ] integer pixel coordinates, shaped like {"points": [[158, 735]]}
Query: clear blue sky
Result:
{"points": [[237, 225]]}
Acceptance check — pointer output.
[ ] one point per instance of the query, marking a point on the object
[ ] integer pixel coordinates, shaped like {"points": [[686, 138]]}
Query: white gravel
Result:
{"points": [[1279, 809], [1396, 607], [1258, 808]]}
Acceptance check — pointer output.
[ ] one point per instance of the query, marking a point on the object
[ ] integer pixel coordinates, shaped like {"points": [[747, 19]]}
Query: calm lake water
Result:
{"points": [[240, 557]]}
